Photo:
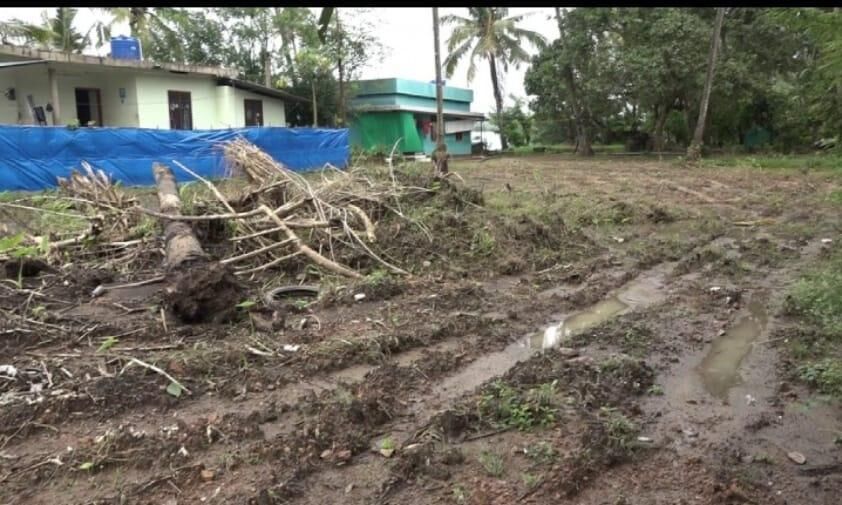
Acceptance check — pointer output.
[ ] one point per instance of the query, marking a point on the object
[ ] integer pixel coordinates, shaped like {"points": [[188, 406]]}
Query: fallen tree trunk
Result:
{"points": [[199, 289]]}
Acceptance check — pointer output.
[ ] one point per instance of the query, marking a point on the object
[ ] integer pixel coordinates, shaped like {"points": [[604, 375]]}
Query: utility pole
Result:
{"points": [[440, 154]]}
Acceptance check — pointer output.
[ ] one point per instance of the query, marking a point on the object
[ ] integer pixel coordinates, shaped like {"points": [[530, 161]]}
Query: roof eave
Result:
{"points": [[260, 89]]}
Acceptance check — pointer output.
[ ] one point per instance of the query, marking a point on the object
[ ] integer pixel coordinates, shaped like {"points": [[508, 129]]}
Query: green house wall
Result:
{"points": [[378, 131]]}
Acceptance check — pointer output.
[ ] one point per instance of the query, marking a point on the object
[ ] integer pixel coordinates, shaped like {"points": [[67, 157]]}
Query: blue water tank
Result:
{"points": [[126, 48]]}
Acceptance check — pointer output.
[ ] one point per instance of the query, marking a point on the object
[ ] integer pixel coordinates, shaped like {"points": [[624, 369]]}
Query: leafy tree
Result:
{"points": [[153, 28], [489, 33], [517, 123], [577, 78], [57, 32]]}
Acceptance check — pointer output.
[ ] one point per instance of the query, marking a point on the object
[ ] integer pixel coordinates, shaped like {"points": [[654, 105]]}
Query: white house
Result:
{"points": [[63, 88]]}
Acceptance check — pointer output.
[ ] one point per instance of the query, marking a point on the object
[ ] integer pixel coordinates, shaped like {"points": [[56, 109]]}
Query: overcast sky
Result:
{"points": [[407, 36]]}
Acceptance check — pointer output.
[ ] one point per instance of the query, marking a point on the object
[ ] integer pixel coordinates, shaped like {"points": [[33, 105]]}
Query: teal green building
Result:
{"points": [[385, 110]]}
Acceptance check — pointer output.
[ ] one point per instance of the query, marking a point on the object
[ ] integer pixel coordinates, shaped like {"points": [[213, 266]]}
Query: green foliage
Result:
{"points": [[517, 123], [387, 444], [107, 344], [483, 243], [621, 431], [542, 453], [818, 296], [492, 463], [508, 407], [174, 389], [824, 375]]}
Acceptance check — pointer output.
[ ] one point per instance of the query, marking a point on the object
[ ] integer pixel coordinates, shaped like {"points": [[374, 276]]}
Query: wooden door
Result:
{"points": [[254, 112], [181, 110]]}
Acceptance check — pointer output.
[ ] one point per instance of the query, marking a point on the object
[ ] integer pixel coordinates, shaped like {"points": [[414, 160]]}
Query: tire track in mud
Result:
{"points": [[407, 359], [489, 366]]}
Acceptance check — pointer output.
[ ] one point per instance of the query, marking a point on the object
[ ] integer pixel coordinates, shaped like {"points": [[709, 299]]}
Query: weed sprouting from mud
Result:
{"points": [[510, 408], [541, 453], [824, 375], [492, 463], [621, 431]]}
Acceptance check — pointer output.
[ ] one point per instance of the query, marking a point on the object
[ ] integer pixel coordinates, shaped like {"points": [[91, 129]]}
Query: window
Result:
{"points": [[181, 111], [88, 107], [458, 135], [254, 112]]}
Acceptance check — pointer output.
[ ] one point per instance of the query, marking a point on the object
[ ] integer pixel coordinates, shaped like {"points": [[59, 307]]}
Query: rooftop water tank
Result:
{"points": [[126, 48]]}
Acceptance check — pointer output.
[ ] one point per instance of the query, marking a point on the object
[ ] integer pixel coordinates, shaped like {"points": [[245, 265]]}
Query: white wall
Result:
{"points": [[153, 99], [146, 103], [8, 108], [274, 113]]}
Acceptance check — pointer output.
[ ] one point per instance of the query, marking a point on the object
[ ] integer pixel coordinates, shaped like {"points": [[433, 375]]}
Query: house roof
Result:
{"points": [[30, 53], [225, 76], [259, 89], [425, 110]]}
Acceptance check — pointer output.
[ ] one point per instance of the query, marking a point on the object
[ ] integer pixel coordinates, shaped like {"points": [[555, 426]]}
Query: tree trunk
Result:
{"points": [[340, 70], [440, 153], [660, 121], [267, 68], [199, 290], [694, 152], [498, 101], [580, 117], [315, 103]]}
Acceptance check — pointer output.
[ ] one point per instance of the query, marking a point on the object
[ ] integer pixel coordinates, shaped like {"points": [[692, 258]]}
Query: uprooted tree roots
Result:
{"points": [[283, 221]]}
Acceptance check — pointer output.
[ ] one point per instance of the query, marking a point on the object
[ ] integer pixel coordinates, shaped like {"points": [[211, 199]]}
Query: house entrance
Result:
{"points": [[88, 107]]}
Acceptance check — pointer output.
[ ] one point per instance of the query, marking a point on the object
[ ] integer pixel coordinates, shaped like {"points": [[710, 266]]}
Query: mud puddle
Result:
{"points": [[646, 289], [719, 370]]}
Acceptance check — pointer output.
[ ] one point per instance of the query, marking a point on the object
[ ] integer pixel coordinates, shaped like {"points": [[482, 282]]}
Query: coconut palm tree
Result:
{"points": [[488, 33], [58, 32]]}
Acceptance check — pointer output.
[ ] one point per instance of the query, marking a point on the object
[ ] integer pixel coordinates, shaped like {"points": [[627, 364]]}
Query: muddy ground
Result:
{"points": [[663, 286]]}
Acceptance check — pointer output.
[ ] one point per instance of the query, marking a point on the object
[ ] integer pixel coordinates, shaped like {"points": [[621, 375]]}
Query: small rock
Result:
{"points": [[359, 296], [208, 475], [645, 440], [568, 352], [797, 457], [714, 289], [291, 348], [827, 240], [426, 263], [689, 433], [750, 400], [8, 370], [343, 455], [387, 453], [326, 453], [349, 488]]}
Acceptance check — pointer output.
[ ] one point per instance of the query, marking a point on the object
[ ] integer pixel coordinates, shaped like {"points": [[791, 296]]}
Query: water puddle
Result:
{"points": [[646, 289], [720, 368]]}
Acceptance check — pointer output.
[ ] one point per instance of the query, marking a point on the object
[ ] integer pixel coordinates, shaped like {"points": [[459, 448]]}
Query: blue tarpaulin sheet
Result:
{"points": [[31, 157]]}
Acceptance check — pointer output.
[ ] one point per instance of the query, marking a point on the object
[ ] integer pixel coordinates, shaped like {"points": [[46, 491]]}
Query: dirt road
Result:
{"points": [[661, 287]]}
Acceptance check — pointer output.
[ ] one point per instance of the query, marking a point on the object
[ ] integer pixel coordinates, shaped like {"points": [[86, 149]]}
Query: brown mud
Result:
{"points": [[573, 332]]}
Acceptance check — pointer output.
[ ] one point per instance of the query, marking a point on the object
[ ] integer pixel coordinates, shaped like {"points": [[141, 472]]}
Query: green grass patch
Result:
{"points": [[507, 407], [824, 162], [818, 296], [817, 299]]}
